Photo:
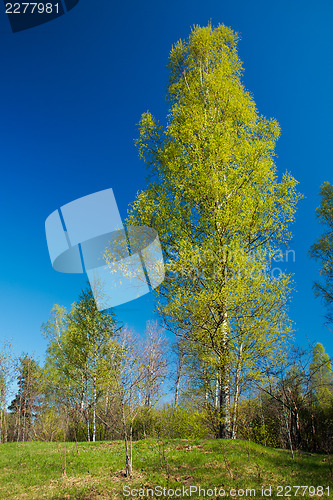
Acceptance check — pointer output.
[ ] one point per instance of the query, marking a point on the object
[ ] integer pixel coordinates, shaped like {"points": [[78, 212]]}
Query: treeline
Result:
{"points": [[101, 382]]}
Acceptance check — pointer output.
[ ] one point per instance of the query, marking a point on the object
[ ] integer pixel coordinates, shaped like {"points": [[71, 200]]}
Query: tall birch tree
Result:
{"points": [[214, 197]]}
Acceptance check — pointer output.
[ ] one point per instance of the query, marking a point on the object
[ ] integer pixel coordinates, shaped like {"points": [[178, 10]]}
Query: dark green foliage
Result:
{"points": [[79, 430], [27, 401], [296, 411], [322, 249]]}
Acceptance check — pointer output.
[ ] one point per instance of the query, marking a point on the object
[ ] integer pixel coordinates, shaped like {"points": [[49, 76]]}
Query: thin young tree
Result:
{"points": [[126, 369], [154, 363], [180, 369]]}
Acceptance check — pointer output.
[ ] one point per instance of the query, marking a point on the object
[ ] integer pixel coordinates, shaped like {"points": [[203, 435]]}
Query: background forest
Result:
{"points": [[108, 385]]}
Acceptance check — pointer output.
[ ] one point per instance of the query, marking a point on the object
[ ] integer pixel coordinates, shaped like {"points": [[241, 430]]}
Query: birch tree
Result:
{"points": [[180, 365], [125, 366], [154, 363], [78, 341], [214, 197]]}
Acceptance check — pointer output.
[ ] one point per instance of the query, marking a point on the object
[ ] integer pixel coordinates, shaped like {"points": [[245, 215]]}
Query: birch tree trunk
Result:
{"points": [[224, 389], [94, 395], [94, 411], [127, 451], [237, 392]]}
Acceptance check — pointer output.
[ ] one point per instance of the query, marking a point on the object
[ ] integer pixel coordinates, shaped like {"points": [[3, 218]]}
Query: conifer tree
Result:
{"points": [[26, 403], [322, 249]]}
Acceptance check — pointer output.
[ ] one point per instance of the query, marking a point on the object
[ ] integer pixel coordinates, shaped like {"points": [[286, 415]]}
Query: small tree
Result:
{"points": [[78, 342], [127, 375], [91, 330]]}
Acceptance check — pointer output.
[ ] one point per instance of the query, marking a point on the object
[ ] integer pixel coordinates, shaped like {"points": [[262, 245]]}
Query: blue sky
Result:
{"points": [[72, 92]]}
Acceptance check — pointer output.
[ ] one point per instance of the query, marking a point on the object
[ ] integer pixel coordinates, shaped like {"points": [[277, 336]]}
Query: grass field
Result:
{"points": [[96, 471]]}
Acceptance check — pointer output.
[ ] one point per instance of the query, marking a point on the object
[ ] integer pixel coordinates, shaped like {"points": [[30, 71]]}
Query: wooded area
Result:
{"points": [[121, 388]]}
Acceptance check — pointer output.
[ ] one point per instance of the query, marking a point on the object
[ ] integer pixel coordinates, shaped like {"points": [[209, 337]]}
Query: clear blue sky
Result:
{"points": [[72, 92]]}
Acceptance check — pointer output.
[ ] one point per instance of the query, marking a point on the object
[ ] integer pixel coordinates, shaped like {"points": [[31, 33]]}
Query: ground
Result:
{"points": [[161, 469]]}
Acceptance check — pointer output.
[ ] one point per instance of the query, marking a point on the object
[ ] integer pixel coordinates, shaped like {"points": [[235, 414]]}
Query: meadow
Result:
{"points": [[161, 469]]}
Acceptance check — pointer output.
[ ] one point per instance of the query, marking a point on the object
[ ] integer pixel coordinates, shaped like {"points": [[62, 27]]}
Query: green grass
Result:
{"points": [[35, 470]]}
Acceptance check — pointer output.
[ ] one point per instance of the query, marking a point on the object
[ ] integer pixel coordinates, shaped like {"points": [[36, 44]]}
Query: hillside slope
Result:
{"points": [[162, 469]]}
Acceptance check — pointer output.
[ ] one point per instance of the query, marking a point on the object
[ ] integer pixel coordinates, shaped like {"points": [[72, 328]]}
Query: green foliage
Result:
{"points": [[78, 431], [27, 400], [294, 408], [183, 423], [220, 212], [322, 249], [258, 423], [78, 341], [78, 349], [321, 377], [49, 425], [171, 423]]}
